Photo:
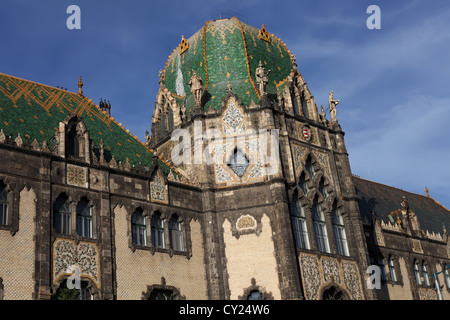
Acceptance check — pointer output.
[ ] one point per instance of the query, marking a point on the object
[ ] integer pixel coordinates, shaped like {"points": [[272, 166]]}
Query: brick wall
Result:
{"points": [[18, 252]]}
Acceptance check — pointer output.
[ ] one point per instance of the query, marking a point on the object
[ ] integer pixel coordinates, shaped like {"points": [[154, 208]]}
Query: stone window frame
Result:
{"points": [[395, 260], [149, 210], [254, 287], [163, 286], [13, 198], [313, 183], [74, 196]]}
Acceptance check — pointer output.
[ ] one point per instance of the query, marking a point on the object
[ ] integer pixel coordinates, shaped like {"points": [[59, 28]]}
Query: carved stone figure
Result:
{"points": [[262, 78], [196, 85], [161, 77], [332, 103], [322, 115]]}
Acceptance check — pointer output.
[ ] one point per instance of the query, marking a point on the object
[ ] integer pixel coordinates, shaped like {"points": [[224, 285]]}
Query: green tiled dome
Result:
{"points": [[227, 51]]}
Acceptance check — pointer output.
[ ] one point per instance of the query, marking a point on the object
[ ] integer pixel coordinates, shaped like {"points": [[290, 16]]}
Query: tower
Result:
{"points": [[235, 115]]}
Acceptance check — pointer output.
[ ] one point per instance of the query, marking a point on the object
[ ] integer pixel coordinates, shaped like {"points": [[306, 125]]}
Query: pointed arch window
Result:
{"points": [[162, 125], [322, 188], [339, 231], [73, 147], [170, 120], [62, 215], [238, 162], [320, 227], [3, 205], [139, 228], [84, 218], [299, 226], [255, 295], [309, 167], [176, 234], [303, 183], [158, 239]]}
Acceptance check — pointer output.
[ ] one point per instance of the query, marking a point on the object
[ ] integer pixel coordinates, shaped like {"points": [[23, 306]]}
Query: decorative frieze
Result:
{"points": [[68, 255]]}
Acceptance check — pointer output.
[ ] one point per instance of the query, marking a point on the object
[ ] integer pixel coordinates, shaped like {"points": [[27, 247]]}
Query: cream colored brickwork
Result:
{"points": [[251, 256], [17, 258], [136, 270], [398, 292]]}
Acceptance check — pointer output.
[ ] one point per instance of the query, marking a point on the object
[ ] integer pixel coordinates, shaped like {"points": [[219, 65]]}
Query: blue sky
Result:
{"points": [[393, 83]]}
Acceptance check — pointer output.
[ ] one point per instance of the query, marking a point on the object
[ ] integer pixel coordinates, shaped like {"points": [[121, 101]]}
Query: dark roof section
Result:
{"points": [[35, 110], [384, 199]]}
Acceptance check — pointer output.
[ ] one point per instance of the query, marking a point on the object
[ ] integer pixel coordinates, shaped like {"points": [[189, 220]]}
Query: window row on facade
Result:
{"points": [[422, 275], [144, 230]]}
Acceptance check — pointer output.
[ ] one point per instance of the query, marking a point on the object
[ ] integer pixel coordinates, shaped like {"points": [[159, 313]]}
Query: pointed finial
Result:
{"points": [[80, 85], [426, 190]]}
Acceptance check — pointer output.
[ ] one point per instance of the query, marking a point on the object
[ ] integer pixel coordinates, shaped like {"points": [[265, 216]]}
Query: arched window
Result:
{"points": [[392, 269], [320, 227], [425, 274], [309, 167], [322, 188], [84, 218], [447, 277], [139, 228], [339, 231], [73, 147], [238, 162], [158, 232], [170, 119], [300, 229], [417, 273], [62, 215], [3, 204], [303, 184], [304, 106], [295, 105], [162, 294], [176, 234], [162, 125], [255, 295]]}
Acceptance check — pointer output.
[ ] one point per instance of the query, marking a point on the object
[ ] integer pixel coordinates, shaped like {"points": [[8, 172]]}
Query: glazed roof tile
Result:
{"points": [[35, 110]]}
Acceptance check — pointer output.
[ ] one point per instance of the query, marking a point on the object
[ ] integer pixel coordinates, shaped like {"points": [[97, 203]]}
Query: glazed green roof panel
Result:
{"points": [[35, 110], [222, 52], [384, 199]]}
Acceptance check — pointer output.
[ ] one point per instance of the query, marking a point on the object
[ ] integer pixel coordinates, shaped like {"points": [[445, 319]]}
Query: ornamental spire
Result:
{"points": [[80, 85]]}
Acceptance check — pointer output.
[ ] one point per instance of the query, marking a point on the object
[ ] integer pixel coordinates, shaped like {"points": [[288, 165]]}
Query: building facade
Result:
{"points": [[243, 191]]}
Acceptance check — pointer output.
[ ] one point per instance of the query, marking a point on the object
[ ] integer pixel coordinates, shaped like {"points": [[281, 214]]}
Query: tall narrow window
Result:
{"points": [[425, 274], [295, 102], [380, 264], [162, 125], [310, 167], [158, 232], [73, 147], [84, 218], [170, 119], [238, 162], [298, 219], [392, 269], [417, 273], [320, 227], [62, 215], [339, 231], [303, 184], [447, 277], [304, 106], [139, 228], [322, 188], [176, 235], [3, 205]]}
